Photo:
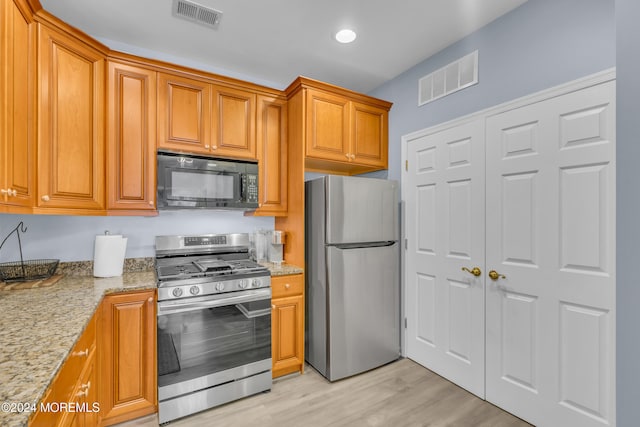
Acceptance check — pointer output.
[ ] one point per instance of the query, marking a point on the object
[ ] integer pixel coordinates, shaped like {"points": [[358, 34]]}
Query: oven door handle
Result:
{"points": [[172, 307]]}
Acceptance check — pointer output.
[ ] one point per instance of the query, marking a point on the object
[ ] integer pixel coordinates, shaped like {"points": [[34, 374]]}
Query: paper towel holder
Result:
{"points": [[109, 255]]}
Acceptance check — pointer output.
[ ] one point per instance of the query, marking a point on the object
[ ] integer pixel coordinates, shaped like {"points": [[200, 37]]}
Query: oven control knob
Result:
{"points": [[243, 284], [220, 286], [177, 292], [256, 283], [194, 290]]}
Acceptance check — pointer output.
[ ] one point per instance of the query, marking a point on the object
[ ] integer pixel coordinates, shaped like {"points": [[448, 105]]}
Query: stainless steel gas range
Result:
{"points": [[214, 323]]}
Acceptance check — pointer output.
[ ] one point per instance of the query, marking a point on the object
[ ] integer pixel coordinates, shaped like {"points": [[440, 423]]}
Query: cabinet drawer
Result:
{"points": [[285, 286], [64, 384], [66, 379]]}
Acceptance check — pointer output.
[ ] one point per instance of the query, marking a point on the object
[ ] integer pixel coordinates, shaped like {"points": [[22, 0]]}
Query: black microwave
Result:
{"points": [[188, 181]]}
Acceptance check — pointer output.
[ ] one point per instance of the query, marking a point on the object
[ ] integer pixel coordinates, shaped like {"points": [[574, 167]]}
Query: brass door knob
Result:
{"points": [[494, 275], [475, 271]]}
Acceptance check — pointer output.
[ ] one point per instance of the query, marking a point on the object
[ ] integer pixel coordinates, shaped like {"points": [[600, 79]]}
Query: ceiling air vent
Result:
{"points": [[448, 79], [196, 13]]}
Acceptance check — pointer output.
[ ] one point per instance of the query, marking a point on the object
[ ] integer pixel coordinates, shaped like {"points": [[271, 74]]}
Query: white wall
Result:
{"points": [[71, 238], [628, 212], [541, 44]]}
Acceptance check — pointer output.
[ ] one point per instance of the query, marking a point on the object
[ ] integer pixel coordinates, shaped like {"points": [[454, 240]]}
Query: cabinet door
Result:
{"points": [[71, 128], [271, 140], [17, 83], [131, 137], [184, 114], [233, 123], [369, 135], [287, 335], [128, 377], [327, 126], [287, 324]]}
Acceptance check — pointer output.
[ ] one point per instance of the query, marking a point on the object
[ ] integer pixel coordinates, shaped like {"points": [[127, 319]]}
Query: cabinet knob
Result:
{"points": [[3, 191], [287, 286], [347, 155], [45, 198], [207, 146], [150, 202], [81, 353], [150, 299], [14, 192], [273, 306], [353, 156], [214, 147]]}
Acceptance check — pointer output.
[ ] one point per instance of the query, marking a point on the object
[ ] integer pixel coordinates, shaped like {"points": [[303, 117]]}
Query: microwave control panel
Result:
{"points": [[250, 184]]}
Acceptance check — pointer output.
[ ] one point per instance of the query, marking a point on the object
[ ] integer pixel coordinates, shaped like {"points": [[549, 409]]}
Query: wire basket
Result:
{"points": [[28, 270], [22, 271]]}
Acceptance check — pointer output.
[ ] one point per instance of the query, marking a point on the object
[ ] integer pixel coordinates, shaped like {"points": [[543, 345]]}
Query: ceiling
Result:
{"points": [[274, 41]]}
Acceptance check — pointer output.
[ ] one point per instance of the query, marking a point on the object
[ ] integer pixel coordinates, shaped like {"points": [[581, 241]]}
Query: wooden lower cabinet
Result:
{"points": [[111, 378], [127, 363], [84, 398], [75, 384], [287, 324]]}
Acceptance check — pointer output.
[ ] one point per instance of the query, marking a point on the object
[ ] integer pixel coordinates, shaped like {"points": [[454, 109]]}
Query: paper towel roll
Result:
{"points": [[108, 255]]}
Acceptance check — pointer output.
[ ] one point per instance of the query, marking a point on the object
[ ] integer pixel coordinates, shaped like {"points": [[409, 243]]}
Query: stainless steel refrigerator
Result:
{"points": [[352, 274]]}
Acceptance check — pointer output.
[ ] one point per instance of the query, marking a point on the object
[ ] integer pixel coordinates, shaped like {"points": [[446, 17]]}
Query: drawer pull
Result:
{"points": [[81, 353]]}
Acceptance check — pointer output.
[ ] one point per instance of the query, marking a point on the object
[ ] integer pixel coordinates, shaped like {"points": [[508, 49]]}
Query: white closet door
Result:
{"points": [[445, 230], [550, 331]]}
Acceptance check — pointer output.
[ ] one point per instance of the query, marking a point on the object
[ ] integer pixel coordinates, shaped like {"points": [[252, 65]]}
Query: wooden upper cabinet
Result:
{"points": [[184, 114], [131, 137], [345, 132], [233, 123], [327, 126], [369, 135], [271, 140], [127, 347], [199, 117], [71, 122], [17, 118]]}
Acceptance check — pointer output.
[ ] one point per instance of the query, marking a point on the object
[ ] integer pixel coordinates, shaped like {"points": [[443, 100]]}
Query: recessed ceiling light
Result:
{"points": [[345, 36]]}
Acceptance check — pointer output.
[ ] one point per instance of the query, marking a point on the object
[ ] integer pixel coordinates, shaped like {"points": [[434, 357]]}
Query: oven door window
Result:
{"points": [[202, 185], [206, 341]]}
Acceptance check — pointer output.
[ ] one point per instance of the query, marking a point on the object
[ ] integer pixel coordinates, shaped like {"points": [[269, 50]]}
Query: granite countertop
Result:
{"points": [[283, 269], [39, 327]]}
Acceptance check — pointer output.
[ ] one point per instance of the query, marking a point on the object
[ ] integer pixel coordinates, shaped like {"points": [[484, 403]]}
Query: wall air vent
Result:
{"points": [[448, 79], [196, 13]]}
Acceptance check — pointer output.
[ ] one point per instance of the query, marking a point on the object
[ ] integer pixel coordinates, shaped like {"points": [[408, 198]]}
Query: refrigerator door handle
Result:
{"points": [[345, 246]]}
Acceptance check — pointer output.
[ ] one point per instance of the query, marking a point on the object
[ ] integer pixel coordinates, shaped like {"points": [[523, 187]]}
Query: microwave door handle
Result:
{"points": [[168, 307]]}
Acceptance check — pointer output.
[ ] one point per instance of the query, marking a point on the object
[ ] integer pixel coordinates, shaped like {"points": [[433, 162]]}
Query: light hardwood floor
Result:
{"points": [[399, 394]]}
